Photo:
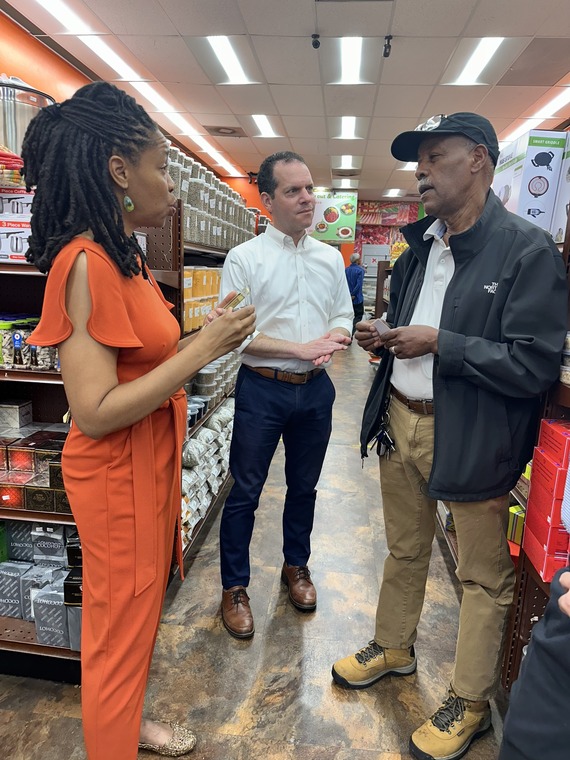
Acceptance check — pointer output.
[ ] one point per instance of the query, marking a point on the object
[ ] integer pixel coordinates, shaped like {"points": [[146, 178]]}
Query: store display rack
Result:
{"points": [[165, 256]]}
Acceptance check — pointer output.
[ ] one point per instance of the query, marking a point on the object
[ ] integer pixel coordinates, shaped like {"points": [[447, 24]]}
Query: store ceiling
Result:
{"points": [[294, 84]]}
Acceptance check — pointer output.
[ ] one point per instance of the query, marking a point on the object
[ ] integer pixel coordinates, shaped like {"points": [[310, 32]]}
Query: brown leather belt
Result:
{"points": [[296, 378], [419, 406]]}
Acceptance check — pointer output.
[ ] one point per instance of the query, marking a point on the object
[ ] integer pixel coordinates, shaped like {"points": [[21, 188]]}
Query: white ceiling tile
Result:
{"points": [[386, 128], [218, 119], [248, 98], [213, 69], [350, 147], [509, 102], [298, 126], [236, 145], [311, 146], [516, 18], [198, 98], [268, 145], [557, 24], [412, 19], [287, 60], [401, 100], [160, 89], [417, 60], [316, 162], [166, 57], [201, 18], [128, 17], [378, 148], [301, 100], [356, 19], [450, 99], [296, 18], [350, 100]]}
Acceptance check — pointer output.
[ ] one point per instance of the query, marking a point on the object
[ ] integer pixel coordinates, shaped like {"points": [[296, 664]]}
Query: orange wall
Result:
{"points": [[247, 191], [21, 55]]}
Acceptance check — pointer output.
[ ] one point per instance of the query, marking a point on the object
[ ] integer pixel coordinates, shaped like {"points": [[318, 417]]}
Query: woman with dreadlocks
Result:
{"points": [[99, 166]]}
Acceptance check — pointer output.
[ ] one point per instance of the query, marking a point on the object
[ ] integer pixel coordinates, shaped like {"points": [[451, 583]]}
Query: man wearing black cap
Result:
{"points": [[478, 316]]}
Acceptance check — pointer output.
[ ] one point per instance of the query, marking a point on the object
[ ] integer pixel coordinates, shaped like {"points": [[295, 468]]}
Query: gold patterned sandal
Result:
{"points": [[182, 742]]}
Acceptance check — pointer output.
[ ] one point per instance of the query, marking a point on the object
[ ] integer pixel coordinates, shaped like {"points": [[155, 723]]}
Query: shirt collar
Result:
{"points": [[285, 241], [436, 230]]}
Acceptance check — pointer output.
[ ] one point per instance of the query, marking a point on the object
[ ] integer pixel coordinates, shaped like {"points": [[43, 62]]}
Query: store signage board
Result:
{"points": [[335, 217], [527, 173], [562, 202]]}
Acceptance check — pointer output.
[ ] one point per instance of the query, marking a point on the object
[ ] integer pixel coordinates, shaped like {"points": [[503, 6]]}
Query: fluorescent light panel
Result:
{"points": [[483, 53], [265, 128], [351, 56], [346, 183], [409, 167], [392, 193], [346, 162], [225, 54], [550, 109], [348, 128], [70, 20]]}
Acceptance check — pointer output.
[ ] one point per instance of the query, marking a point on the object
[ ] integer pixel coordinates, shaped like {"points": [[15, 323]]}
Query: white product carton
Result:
{"points": [[527, 173], [562, 202]]}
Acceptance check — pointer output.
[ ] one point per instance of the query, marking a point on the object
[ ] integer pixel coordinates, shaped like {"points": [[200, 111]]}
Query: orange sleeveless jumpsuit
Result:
{"points": [[124, 491]]}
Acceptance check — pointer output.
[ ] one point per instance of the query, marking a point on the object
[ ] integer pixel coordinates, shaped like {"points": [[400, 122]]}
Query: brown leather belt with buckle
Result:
{"points": [[417, 405], [296, 378]]}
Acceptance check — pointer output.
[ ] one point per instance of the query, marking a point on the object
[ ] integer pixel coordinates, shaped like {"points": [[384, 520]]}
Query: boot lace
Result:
{"points": [[451, 711], [239, 596], [369, 652], [302, 573]]}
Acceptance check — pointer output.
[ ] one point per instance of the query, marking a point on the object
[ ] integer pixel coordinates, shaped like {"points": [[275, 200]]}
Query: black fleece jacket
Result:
{"points": [[502, 329]]}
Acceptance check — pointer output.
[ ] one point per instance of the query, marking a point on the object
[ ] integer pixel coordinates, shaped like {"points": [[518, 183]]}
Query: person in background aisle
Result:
{"points": [[304, 315], [478, 316], [537, 724], [99, 166], [355, 278]]}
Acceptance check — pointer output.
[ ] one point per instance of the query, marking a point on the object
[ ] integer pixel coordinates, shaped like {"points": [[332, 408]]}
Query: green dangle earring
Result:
{"points": [[128, 203]]}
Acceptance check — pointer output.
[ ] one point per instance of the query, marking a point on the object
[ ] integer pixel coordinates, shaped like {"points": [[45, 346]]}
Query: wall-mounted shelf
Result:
{"points": [[29, 515], [31, 376], [25, 269], [20, 636]]}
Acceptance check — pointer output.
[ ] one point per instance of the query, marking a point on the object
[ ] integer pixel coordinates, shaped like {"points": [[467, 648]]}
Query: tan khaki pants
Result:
{"points": [[485, 568]]}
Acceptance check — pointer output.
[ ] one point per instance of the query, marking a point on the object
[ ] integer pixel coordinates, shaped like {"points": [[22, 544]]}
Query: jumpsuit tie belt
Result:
{"points": [[144, 489]]}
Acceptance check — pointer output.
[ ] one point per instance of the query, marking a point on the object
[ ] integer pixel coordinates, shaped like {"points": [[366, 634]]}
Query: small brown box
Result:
{"points": [[38, 495], [22, 453], [61, 502], [56, 476], [4, 443]]}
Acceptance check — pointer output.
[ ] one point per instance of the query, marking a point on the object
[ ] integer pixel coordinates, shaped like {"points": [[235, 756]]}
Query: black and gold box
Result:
{"points": [[38, 496], [61, 502]]}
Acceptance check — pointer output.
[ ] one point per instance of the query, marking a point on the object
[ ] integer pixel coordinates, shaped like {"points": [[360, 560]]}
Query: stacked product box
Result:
{"points": [[15, 216], [545, 539], [41, 580], [31, 477]]}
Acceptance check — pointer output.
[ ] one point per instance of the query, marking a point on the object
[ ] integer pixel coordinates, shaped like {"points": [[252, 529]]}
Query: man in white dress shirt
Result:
{"points": [[304, 314], [478, 311]]}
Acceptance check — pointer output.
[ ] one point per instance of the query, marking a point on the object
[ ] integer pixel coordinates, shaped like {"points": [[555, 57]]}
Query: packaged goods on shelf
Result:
{"points": [[3, 542], [50, 615], [554, 438], [12, 482], [545, 564], [74, 616], [548, 473], [38, 496], [49, 544], [516, 524], [20, 546], [553, 539], [565, 506], [541, 499], [73, 587], [37, 577], [527, 175], [10, 587], [15, 413]]}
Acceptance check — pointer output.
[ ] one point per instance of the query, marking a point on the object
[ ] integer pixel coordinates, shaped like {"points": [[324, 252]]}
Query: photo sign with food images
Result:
{"points": [[335, 217]]}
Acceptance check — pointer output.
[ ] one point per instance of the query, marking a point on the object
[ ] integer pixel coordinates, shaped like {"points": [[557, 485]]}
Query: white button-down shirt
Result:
{"points": [[299, 292], [413, 377]]}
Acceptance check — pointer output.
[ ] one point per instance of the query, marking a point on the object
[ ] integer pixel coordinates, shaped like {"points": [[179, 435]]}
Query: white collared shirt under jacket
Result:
{"points": [[299, 292]]}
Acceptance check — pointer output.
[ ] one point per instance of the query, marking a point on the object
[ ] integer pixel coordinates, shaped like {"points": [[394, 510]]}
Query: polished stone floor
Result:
{"points": [[272, 698]]}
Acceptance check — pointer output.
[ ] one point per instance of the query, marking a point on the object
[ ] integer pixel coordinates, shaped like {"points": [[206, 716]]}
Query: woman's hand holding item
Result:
{"points": [[228, 329]]}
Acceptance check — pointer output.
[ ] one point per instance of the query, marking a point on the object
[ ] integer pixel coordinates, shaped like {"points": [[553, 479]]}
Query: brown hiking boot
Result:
{"points": [[369, 664]]}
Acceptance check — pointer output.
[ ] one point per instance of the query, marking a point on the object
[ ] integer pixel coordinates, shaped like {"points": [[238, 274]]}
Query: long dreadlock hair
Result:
{"points": [[66, 150]]}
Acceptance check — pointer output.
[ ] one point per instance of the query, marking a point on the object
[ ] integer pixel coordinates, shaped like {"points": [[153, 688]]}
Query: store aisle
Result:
{"points": [[272, 698]]}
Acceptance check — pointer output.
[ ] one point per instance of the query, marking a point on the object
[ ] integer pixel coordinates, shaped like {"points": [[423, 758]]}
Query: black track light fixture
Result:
{"points": [[387, 46]]}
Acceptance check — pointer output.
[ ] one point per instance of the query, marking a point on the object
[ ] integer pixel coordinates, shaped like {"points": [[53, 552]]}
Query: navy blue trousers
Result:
{"points": [[265, 411]]}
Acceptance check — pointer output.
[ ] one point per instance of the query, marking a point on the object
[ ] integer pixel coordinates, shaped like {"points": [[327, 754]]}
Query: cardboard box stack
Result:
{"points": [[545, 539]]}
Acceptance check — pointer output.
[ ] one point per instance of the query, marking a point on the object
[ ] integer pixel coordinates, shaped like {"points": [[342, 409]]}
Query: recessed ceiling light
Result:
{"points": [[351, 55], [348, 128], [265, 128], [70, 20], [482, 54], [225, 53]]}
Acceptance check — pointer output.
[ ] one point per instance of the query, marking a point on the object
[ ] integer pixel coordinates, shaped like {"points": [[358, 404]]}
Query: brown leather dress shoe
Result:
{"points": [[302, 592], [236, 612]]}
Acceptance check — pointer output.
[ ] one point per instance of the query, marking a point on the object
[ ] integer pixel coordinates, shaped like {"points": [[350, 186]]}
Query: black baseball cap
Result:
{"points": [[477, 128]]}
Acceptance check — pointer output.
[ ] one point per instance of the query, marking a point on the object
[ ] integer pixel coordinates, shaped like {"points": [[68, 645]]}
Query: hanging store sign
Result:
{"points": [[335, 217]]}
